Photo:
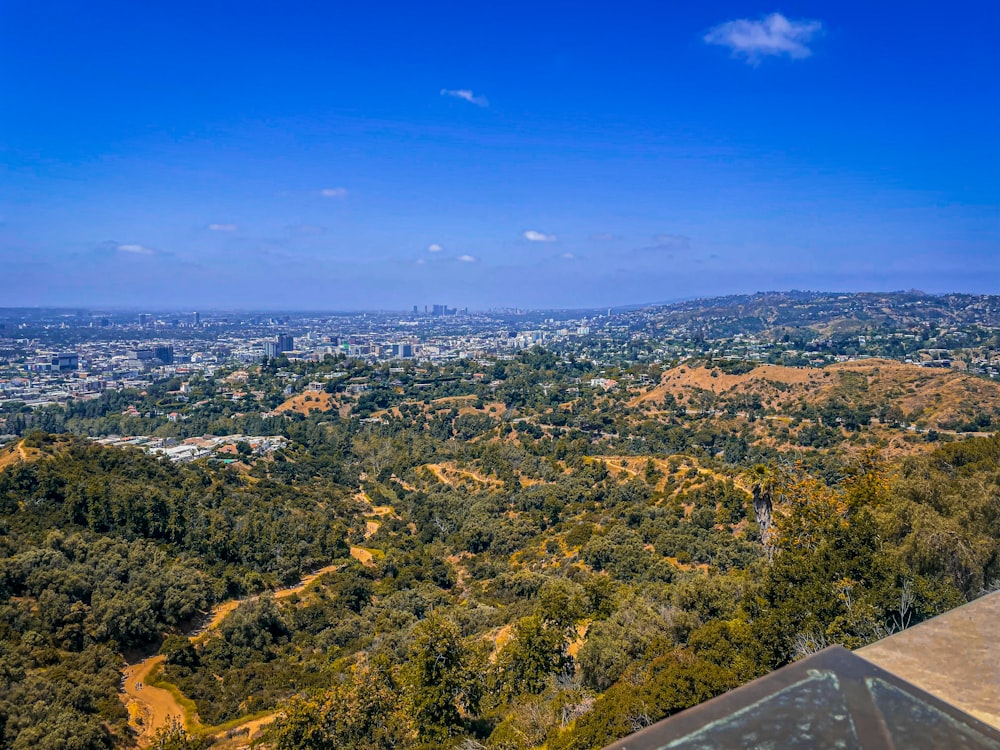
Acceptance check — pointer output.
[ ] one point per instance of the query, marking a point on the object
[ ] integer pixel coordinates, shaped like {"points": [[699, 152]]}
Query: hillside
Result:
{"points": [[30, 450], [304, 403], [563, 548], [941, 399], [15, 453], [778, 314]]}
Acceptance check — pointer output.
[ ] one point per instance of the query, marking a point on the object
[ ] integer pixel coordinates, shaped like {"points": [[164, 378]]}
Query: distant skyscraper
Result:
{"points": [[143, 318], [164, 354], [196, 318], [283, 343]]}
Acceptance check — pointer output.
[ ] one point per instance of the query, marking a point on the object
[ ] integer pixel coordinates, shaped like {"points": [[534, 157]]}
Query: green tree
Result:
{"points": [[535, 652], [668, 684], [364, 712], [175, 737], [435, 679]]}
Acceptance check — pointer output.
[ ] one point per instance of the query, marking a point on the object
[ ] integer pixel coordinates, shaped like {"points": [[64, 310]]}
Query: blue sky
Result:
{"points": [[322, 155]]}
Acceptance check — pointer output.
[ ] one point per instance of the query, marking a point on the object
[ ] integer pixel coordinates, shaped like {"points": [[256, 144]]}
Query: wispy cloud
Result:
{"points": [[567, 256], [772, 35], [434, 248], [305, 230], [602, 236], [136, 250], [665, 244], [466, 95], [467, 258], [672, 241], [335, 192], [222, 227], [532, 236]]}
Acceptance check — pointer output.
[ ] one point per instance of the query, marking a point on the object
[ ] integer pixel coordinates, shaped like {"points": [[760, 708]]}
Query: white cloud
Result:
{"points": [[136, 249], [602, 236], [222, 227], [337, 192], [434, 248], [467, 258], [771, 35], [567, 256], [466, 95], [532, 236], [420, 261]]}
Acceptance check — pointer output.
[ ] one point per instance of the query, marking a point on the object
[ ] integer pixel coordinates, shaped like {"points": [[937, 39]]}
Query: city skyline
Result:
{"points": [[563, 157]]}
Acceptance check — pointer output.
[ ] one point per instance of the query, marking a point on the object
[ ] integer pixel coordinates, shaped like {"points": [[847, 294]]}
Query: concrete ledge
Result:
{"points": [[954, 657]]}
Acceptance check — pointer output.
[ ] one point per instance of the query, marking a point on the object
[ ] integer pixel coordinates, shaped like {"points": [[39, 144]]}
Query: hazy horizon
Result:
{"points": [[561, 157], [423, 308]]}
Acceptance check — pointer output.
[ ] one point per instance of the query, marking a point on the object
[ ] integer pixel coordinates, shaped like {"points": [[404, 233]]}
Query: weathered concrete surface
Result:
{"points": [[954, 656]]}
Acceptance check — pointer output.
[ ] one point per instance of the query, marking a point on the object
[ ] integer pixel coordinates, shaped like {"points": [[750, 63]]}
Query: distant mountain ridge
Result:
{"points": [[823, 312]]}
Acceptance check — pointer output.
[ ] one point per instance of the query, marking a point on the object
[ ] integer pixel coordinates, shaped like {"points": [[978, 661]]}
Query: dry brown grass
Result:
{"points": [[683, 381], [450, 474], [17, 453], [934, 397], [363, 556], [493, 409], [303, 403], [624, 468]]}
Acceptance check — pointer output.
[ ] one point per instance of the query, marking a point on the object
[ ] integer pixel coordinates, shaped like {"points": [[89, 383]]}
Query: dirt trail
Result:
{"points": [[450, 475], [244, 733], [304, 583], [151, 708], [16, 454], [219, 613]]}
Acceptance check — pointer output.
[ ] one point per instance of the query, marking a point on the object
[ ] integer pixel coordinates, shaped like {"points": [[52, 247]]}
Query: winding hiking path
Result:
{"points": [[150, 708]]}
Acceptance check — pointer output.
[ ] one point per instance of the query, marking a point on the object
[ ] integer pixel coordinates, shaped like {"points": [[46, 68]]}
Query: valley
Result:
{"points": [[531, 551]]}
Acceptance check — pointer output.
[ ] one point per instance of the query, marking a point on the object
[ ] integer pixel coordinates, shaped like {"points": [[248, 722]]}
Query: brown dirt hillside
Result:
{"points": [[304, 403], [939, 398], [684, 381], [18, 452]]}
